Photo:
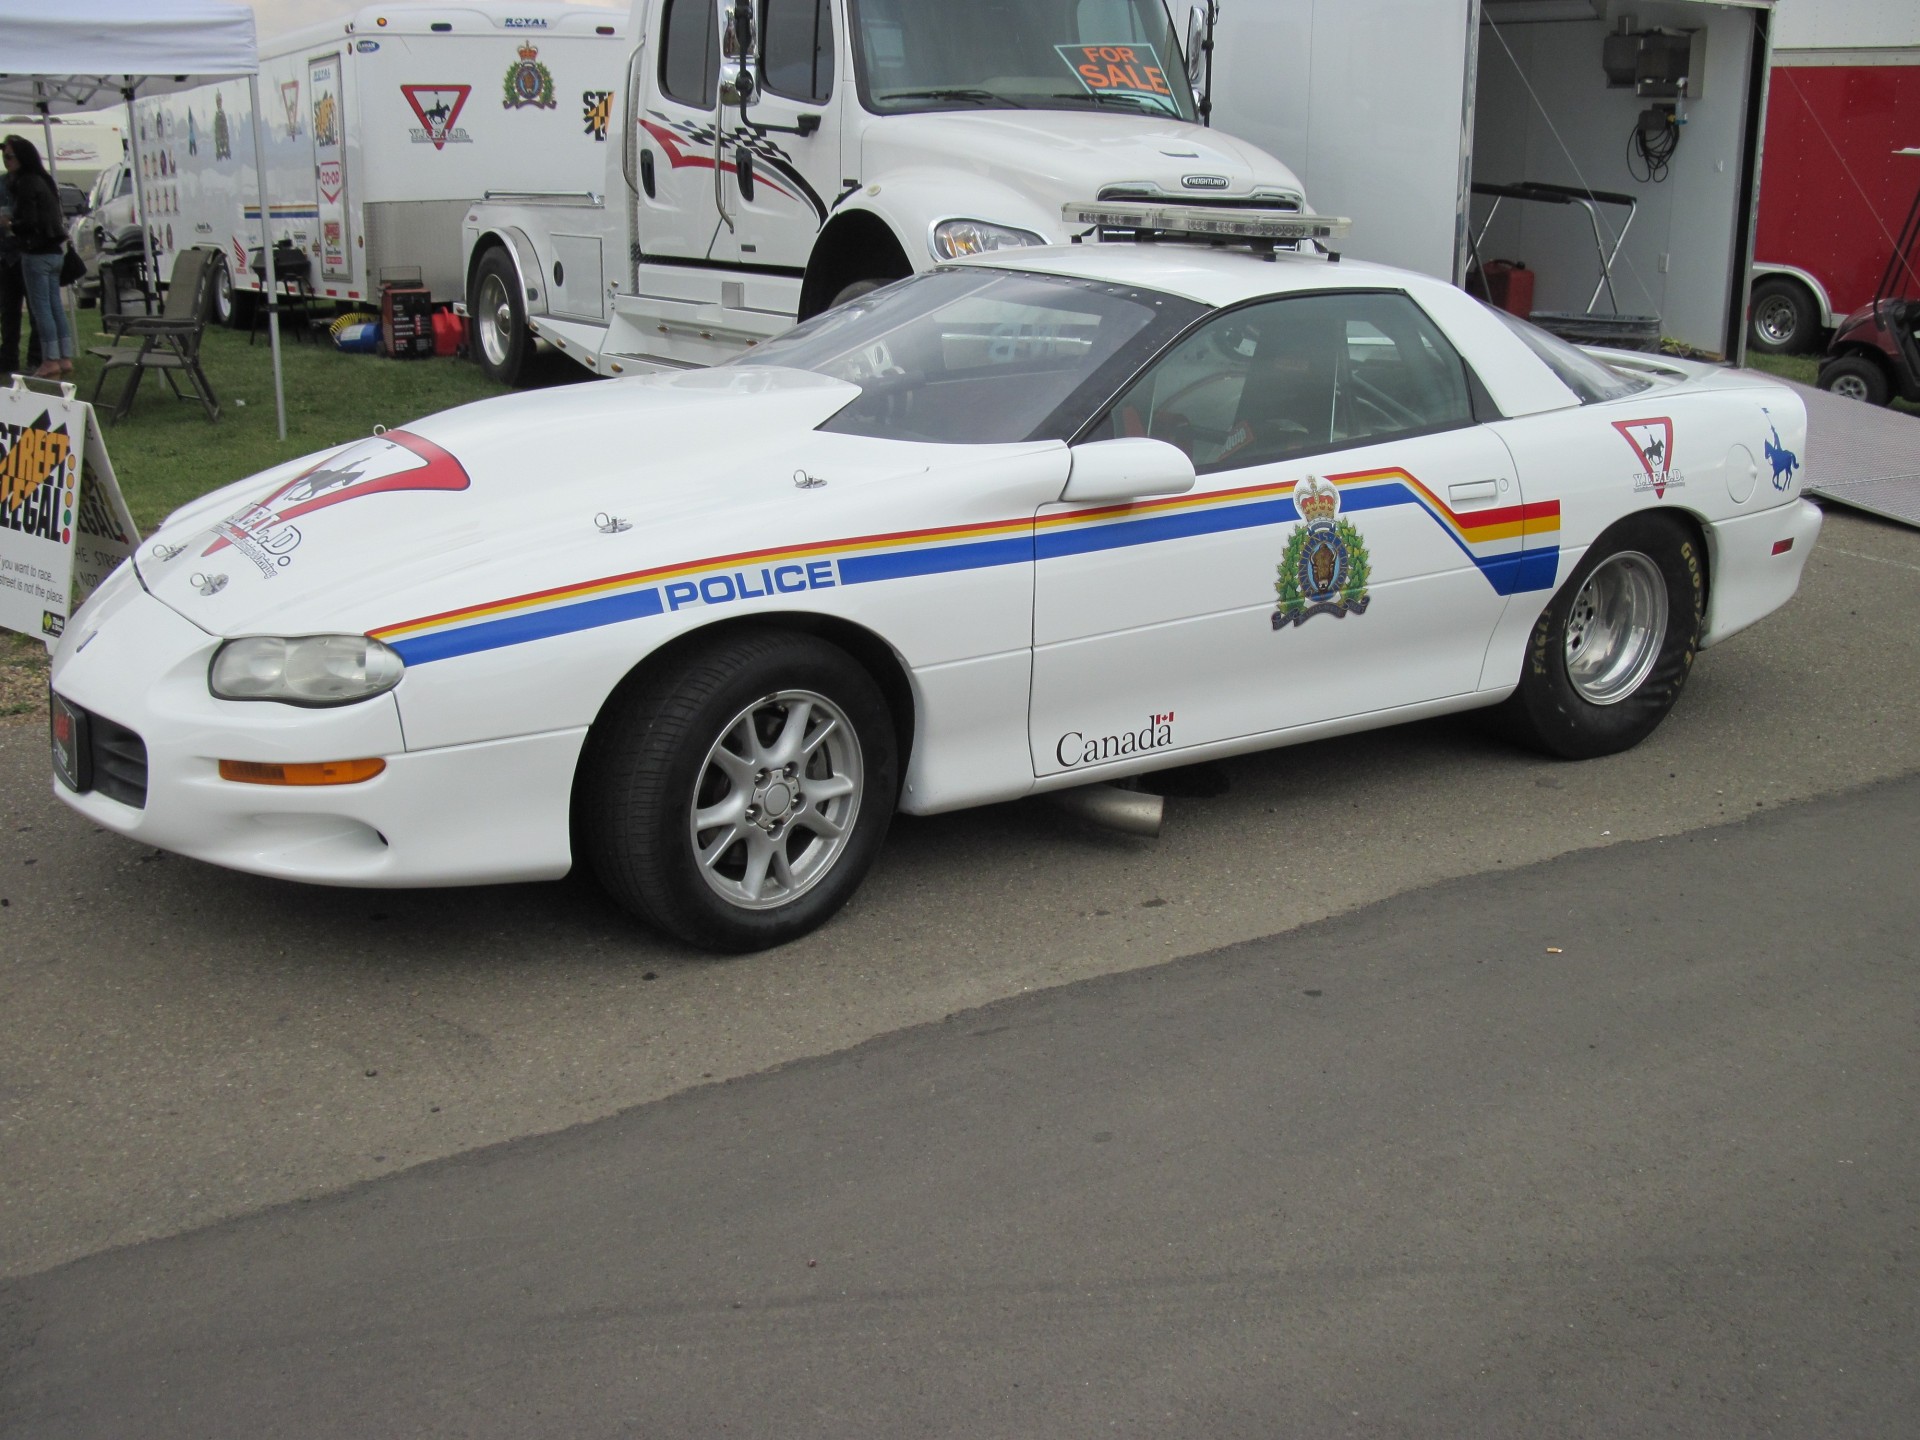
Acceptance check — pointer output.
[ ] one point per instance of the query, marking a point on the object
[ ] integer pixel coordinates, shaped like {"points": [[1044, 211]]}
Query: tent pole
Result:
{"points": [[140, 201], [266, 251]]}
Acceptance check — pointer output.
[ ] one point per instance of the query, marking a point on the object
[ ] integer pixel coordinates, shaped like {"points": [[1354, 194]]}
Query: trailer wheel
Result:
{"points": [[1780, 317], [499, 318], [1856, 377], [223, 294]]}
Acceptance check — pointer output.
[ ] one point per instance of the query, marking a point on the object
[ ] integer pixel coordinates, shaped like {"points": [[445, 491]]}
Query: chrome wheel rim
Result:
{"points": [[1775, 319], [776, 800], [223, 296], [1616, 628], [493, 317], [1850, 387]]}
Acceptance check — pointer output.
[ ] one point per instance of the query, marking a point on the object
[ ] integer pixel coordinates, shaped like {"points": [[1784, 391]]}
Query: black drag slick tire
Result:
{"points": [[1856, 377], [1781, 319], [1608, 656], [497, 312], [737, 796]]}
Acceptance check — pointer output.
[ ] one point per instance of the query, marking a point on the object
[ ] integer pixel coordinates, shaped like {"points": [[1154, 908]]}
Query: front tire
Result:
{"points": [[499, 316], [1856, 377], [737, 798], [1611, 651]]}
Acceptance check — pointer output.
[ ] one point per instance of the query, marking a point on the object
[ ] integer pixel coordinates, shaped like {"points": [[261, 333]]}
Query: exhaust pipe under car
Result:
{"points": [[1132, 812]]}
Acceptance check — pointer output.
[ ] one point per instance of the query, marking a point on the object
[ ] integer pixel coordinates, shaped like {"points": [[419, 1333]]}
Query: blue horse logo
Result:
{"points": [[1783, 460]]}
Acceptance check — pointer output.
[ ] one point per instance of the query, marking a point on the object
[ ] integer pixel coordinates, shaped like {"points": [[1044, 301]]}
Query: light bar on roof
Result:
{"points": [[1205, 221]]}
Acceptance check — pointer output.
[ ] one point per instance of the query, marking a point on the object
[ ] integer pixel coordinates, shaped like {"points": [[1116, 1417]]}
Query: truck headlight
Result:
{"points": [[304, 669], [951, 239]]}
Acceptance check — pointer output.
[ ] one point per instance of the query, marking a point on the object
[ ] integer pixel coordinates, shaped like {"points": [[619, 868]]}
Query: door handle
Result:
{"points": [[1474, 492]]}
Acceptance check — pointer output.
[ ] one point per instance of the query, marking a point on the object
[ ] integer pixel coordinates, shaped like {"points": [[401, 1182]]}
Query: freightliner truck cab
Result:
{"points": [[769, 158]]}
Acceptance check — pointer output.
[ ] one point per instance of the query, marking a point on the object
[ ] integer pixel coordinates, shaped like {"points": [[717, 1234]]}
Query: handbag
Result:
{"points": [[72, 267]]}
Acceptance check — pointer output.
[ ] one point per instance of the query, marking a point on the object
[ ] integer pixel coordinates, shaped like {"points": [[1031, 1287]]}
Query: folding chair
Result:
{"points": [[169, 341], [293, 274]]}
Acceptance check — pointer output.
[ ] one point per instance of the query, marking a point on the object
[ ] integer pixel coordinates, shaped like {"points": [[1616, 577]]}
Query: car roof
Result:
{"points": [[1221, 275], [1214, 275]]}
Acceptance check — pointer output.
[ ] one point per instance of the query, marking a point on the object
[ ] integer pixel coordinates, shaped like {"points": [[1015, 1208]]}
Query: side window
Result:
{"points": [[797, 49], [1296, 377], [690, 53]]}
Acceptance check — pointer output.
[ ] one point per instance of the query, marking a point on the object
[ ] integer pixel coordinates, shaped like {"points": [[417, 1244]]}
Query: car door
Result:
{"points": [[1348, 548]]}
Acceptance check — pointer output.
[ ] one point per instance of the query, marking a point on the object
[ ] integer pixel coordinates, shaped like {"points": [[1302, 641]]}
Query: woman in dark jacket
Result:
{"points": [[41, 233]]}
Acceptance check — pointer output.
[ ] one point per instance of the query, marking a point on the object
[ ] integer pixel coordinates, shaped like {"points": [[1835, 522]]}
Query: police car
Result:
{"points": [[1044, 519]]}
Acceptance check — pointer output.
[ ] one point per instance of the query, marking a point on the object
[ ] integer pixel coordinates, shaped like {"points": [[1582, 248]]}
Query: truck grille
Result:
{"points": [[1284, 203]]}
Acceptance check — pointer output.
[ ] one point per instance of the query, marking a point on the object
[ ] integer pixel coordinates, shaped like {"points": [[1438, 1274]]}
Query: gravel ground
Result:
{"points": [[23, 677]]}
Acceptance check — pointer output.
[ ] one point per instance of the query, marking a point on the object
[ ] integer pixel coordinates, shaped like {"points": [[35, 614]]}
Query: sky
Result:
{"points": [[276, 17]]}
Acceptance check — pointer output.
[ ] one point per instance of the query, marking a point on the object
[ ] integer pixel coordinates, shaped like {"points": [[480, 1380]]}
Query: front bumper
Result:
{"points": [[458, 815]]}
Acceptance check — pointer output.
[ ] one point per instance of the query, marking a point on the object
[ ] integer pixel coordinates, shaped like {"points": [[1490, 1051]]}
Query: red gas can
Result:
{"points": [[449, 333], [1510, 286]]}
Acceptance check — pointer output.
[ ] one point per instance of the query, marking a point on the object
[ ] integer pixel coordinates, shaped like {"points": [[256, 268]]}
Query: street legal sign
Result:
{"points": [[63, 522]]}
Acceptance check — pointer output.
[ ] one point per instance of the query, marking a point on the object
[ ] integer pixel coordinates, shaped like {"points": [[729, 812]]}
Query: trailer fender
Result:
{"points": [[526, 263], [1805, 277]]}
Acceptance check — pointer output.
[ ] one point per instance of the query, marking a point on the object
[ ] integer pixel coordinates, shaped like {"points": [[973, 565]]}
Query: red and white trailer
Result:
{"points": [[1843, 100]]}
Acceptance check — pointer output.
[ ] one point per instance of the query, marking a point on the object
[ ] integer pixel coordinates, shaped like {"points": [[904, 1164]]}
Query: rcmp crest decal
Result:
{"points": [[1325, 568], [529, 82]]}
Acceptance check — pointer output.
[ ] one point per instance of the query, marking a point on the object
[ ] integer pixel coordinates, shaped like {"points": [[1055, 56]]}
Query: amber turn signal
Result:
{"points": [[324, 772]]}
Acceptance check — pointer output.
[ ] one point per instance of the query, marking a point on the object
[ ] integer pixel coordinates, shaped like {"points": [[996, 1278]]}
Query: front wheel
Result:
{"points": [[499, 317], [737, 798], [1856, 377], [1609, 654]]}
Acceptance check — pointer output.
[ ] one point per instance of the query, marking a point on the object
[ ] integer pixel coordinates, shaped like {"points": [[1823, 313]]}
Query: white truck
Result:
{"points": [[775, 156], [382, 129]]}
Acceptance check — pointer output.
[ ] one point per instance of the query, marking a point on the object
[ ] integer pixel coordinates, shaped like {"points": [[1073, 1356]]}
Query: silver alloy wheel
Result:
{"points": [[223, 295], [493, 318], [1777, 318], [776, 800], [1616, 628], [1850, 387]]}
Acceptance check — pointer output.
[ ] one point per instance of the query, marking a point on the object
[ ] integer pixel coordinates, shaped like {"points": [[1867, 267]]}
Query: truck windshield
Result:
{"points": [[979, 356], [1119, 55]]}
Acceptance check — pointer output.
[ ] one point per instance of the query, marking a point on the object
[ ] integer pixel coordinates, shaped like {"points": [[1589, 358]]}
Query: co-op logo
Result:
{"points": [[740, 584], [1075, 748]]}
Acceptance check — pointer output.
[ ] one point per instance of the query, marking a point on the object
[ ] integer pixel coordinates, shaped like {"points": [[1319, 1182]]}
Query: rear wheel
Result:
{"points": [[1612, 649], [499, 316], [737, 798], [1780, 317], [1856, 377]]}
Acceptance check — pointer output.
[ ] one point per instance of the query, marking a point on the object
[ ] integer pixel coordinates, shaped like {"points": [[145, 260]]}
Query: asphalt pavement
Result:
{"points": [[1617, 1144]]}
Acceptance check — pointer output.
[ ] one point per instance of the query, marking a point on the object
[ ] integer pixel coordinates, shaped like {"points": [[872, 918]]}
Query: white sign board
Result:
{"points": [[63, 522]]}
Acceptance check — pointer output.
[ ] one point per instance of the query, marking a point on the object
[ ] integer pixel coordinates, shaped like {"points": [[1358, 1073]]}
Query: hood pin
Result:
{"points": [[611, 524], [803, 481], [209, 584], [166, 552]]}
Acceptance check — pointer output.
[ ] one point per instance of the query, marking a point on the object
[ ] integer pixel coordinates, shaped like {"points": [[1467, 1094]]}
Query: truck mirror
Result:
{"points": [[1200, 57], [737, 48]]}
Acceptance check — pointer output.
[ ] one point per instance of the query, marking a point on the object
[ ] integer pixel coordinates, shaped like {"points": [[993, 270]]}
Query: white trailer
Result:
{"points": [[382, 129], [774, 156], [1394, 111]]}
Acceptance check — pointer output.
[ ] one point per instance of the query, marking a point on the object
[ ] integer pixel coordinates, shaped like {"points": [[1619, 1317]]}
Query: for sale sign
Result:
{"points": [[63, 523], [1132, 70]]}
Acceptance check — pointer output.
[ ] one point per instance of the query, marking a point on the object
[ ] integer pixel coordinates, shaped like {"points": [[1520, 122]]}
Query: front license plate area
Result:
{"points": [[67, 726]]}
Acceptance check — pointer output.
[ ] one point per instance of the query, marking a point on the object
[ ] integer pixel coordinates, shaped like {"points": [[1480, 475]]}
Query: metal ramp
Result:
{"points": [[1865, 456]]}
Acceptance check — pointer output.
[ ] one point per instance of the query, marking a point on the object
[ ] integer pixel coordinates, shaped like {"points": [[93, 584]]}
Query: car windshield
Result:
{"points": [[1589, 378], [1118, 55], [979, 356]]}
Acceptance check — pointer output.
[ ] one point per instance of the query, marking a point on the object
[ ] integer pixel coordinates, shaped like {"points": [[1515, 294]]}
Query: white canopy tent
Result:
{"points": [[80, 54]]}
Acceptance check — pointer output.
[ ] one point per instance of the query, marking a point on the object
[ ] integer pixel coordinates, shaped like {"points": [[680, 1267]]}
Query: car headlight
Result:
{"points": [[304, 669], [952, 239]]}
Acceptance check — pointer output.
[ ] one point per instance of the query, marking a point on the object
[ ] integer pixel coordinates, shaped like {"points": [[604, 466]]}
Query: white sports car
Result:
{"points": [[1051, 517]]}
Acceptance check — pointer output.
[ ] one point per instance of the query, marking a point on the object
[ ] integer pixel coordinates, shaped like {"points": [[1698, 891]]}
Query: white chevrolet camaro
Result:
{"points": [[1048, 518]]}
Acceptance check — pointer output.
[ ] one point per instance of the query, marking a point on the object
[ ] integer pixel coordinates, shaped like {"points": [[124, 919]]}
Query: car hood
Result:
{"points": [[1047, 154], [519, 486]]}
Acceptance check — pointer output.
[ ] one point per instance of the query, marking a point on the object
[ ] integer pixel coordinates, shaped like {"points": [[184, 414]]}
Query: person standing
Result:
{"points": [[13, 293], [40, 231]]}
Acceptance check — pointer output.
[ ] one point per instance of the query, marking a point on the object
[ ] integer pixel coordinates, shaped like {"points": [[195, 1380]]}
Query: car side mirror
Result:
{"points": [[1126, 469]]}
